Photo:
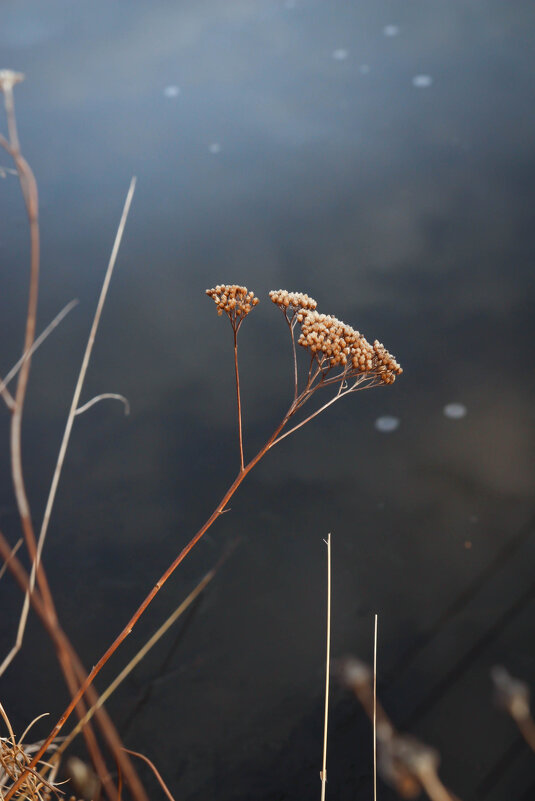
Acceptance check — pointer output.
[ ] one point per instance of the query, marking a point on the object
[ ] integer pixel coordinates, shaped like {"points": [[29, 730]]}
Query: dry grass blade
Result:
{"points": [[155, 770], [13, 552], [38, 342], [327, 672], [104, 396], [375, 711]]}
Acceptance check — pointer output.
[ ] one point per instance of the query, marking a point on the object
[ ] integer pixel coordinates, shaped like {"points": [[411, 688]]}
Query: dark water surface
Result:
{"points": [[379, 156]]}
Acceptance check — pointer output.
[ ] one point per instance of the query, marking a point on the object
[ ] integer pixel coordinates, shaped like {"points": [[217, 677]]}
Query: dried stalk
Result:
{"points": [[323, 774]]}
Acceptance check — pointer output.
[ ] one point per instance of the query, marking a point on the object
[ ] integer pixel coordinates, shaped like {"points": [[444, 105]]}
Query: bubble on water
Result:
{"points": [[422, 81], [171, 91], [387, 424], [340, 54], [454, 411], [214, 148], [391, 30]]}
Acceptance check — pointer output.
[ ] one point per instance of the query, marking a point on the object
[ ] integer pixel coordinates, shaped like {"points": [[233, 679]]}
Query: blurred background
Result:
{"points": [[379, 156]]}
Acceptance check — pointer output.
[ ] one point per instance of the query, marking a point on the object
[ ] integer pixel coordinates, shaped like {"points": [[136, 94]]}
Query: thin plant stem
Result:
{"points": [[186, 603], [327, 671], [375, 711], [104, 396], [238, 396], [38, 342], [154, 769], [83, 370]]}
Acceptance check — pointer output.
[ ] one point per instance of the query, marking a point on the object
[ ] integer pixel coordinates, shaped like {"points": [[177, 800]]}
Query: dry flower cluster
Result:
{"points": [[292, 301], [234, 300]]}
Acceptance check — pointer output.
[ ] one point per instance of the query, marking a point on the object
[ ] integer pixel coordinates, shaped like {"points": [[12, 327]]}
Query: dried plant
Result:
{"points": [[339, 360], [15, 759], [513, 696], [405, 763]]}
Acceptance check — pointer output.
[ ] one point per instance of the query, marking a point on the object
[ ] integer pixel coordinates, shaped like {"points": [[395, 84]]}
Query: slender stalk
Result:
{"points": [[38, 342], [238, 397], [155, 770], [375, 712], [327, 671], [186, 603], [83, 369]]}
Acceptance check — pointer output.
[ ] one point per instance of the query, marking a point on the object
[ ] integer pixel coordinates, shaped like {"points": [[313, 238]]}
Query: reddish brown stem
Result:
{"points": [[238, 396]]}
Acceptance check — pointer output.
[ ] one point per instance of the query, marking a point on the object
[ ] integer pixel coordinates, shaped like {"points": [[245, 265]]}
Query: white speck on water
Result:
{"points": [[455, 411], [340, 54], [364, 69], [171, 91], [387, 424], [391, 30], [214, 148], [422, 81]]}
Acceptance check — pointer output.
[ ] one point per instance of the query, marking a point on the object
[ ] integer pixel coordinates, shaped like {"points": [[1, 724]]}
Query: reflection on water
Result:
{"points": [[282, 144]]}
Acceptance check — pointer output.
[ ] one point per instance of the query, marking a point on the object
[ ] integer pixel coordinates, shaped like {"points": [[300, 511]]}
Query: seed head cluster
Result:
{"points": [[234, 300], [329, 338], [293, 301]]}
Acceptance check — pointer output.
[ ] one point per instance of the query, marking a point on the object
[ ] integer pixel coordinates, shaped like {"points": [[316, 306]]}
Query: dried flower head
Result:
{"points": [[8, 79], [333, 342], [292, 302], [235, 301]]}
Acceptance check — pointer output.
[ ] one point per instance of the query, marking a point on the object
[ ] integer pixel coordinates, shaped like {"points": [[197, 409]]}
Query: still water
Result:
{"points": [[378, 156]]}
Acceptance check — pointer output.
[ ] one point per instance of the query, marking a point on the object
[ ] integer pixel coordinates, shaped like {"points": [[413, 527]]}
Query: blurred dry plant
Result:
{"points": [[15, 757], [404, 763], [513, 696], [338, 361]]}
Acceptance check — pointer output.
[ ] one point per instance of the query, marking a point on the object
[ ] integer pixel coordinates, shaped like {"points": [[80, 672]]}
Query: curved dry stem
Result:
{"points": [[104, 396], [154, 769]]}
